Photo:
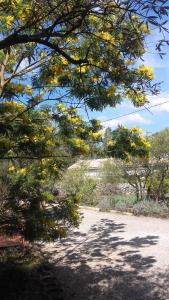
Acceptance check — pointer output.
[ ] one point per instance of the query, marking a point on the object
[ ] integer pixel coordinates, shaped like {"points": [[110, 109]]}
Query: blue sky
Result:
{"points": [[158, 119]]}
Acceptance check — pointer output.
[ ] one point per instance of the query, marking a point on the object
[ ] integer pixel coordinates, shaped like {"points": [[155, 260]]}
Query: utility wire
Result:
{"points": [[135, 111], [33, 157]]}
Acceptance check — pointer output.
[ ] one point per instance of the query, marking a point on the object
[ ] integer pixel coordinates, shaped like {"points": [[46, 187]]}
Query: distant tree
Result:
{"points": [[124, 143], [138, 173], [149, 180], [158, 187], [150, 175], [160, 144]]}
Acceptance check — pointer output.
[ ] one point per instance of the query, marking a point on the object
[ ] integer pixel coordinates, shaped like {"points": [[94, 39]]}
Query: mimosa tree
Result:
{"points": [[68, 55]]}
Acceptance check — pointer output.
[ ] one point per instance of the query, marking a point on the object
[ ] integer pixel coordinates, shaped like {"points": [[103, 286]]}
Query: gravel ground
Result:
{"points": [[112, 257]]}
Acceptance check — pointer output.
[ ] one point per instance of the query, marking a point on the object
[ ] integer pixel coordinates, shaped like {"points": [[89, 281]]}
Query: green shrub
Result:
{"points": [[88, 193], [105, 203], [124, 203], [128, 199], [130, 204], [150, 208], [93, 193], [75, 182], [118, 202]]}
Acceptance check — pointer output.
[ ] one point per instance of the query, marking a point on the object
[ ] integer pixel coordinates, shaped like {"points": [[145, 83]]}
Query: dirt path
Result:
{"points": [[113, 257]]}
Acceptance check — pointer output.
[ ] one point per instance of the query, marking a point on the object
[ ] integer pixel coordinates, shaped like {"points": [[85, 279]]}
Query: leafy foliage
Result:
{"points": [[55, 46], [123, 143], [76, 182], [32, 145], [147, 175], [78, 55], [160, 144]]}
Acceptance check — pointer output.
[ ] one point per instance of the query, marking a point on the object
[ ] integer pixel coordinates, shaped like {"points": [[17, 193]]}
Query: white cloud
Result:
{"points": [[130, 119], [111, 123], [162, 100], [137, 118]]}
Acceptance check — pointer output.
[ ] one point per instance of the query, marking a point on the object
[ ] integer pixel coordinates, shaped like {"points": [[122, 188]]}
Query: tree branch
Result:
{"points": [[16, 39]]}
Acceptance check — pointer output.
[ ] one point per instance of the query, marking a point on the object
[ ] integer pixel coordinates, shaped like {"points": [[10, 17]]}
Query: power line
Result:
{"points": [[33, 157], [135, 111]]}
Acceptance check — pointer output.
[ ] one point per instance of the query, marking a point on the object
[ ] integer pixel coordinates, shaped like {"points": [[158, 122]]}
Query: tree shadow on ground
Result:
{"points": [[101, 265]]}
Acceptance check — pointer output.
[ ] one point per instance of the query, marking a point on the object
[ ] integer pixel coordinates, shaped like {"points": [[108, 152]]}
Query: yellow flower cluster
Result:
{"points": [[14, 3], [106, 36], [129, 62], [80, 130], [24, 13], [45, 181], [93, 19], [72, 39], [146, 71], [52, 80], [75, 57], [11, 169], [48, 129], [64, 61], [137, 130], [133, 145], [14, 104], [18, 88], [42, 54], [111, 90], [80, 145], [95, 78], [137, 97], [95, 135], [55, 70], [145, 143], [9, 21], [23, 171], [134, 18], [61, 107], [74, 120], [110, 143], [82, 69], [143, 28], [44, 172], [50, 143]]}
